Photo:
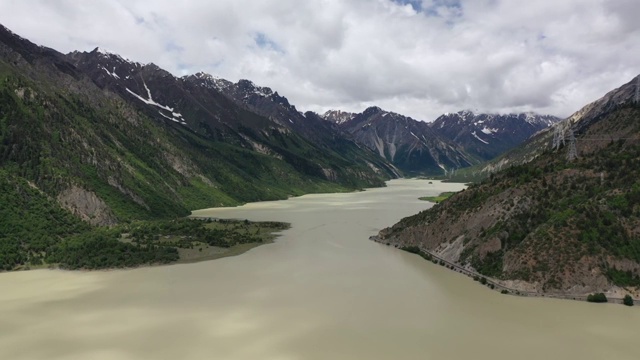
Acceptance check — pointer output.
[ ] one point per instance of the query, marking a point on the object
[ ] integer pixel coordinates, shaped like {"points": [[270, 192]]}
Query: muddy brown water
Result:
{"points": [[321, 291]]}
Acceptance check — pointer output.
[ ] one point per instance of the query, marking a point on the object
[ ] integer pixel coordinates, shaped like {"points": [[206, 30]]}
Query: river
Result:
{"points": [[321, 291]]}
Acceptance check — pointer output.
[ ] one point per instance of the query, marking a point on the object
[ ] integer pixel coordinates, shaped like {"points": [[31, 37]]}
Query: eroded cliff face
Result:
{"points": [[559, 222], [86, 205]]}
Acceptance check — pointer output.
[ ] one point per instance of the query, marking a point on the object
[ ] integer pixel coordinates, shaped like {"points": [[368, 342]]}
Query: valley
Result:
{"points": [[95, 145], [320, 285], [390, 179]]}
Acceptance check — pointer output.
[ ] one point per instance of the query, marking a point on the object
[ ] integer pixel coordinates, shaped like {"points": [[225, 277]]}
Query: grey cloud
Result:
{"points": [[421, 57]]}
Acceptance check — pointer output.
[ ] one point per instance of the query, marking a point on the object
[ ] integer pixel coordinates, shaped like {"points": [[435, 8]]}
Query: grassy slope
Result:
{"points": [[54, 139]]}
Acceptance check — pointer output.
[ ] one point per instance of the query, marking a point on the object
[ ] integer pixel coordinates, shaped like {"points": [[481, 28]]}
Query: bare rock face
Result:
{"points": [[488, 135], [87, 205], [330, 174], [412, 146]]}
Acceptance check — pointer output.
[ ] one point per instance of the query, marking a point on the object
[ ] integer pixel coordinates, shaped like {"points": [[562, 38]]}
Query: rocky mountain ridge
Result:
{"points": [[489, 135], [453, 141], [411, 145], [241, 113], [338, 116], [93, 129]]}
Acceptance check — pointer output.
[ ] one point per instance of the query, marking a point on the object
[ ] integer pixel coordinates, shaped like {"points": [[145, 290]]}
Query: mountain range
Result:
{"points": [[102, 126], [110, 141], [453, 141]]}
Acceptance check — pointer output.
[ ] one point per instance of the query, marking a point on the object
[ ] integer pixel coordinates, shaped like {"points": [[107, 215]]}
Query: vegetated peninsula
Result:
{"points": [[565, 223], [37, 232]]}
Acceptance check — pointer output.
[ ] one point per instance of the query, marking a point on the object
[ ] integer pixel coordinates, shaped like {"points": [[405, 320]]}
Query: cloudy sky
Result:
{"points": [[416, 57]]}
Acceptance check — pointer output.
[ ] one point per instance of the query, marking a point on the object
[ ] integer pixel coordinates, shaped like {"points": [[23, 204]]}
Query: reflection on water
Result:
{"points": [[321, 291]]}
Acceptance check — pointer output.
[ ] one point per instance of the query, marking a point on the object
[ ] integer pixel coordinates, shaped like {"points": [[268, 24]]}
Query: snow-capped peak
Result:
{"points": [[338, 116], [212, 81], [535, 119], [466, 114], [111, 55], [103, 51]]}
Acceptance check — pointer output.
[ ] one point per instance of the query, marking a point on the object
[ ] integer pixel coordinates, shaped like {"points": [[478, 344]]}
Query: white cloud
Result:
{"points": [[420, 58]]}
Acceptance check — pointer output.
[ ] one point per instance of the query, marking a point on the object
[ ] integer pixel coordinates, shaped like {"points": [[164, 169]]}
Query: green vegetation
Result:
{"points": [[100, 249], [490, 266], [418, 251], [57, 135], [32, 224], [628, 300], [597, 298], [623, 278], [437, 199], [36, 232], [156, 242]]}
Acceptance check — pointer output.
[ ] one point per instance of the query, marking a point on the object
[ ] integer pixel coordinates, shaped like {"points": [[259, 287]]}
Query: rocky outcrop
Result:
{"points": [[86, 205]]}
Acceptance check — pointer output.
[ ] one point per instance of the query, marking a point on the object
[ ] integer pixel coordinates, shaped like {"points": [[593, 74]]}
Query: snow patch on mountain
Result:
{"points": [[477, 137], [179, 121], [108, 54], [112, 74], [175, 116], [212, 82], [338, 116]]}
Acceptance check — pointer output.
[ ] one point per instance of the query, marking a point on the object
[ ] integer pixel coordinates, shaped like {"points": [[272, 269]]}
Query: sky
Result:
{"points": [[420, 58]]}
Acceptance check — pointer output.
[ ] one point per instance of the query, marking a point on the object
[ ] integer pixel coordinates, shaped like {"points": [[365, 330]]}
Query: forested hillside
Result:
{"points": [[557, 224], [92, 156]]}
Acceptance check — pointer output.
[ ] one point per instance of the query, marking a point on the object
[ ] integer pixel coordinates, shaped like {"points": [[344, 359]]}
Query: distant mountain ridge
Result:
{"points": [[453, 141], [338, 116], [489, 135], [411, 145], [226, 111]]}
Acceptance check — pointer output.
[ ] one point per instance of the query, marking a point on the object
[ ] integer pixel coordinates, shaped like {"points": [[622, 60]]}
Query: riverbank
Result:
{"points": [[499, 285]]}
